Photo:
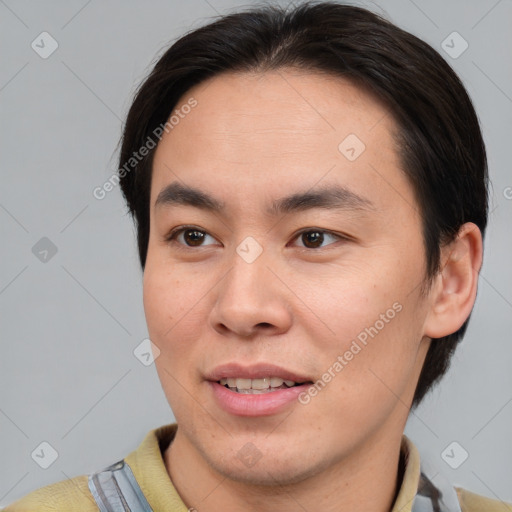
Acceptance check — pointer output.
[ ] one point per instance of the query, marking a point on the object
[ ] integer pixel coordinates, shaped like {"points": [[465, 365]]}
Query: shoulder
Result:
{"points": [[470, 502], [70, 495], [73, 494]]}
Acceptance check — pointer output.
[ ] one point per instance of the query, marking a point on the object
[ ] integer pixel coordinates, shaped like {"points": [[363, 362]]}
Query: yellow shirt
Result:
{"points": [[148, 467]]}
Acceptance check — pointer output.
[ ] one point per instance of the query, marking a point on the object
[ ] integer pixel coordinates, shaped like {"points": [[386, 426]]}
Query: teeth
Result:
{"points": [[275, 382], [262, 384], [259, 384], [243, 383]]}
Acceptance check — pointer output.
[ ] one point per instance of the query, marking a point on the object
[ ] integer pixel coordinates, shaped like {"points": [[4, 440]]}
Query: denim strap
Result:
{"points": [[115, 490]]}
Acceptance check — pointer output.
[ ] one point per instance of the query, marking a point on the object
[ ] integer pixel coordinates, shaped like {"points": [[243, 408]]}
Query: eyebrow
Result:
{"points": [[328, 197]]}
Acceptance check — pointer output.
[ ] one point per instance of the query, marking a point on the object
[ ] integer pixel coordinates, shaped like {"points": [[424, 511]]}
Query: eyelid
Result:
{"points": [[171, 236], [313, 229]]}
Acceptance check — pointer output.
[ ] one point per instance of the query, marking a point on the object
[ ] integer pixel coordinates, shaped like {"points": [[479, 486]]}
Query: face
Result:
{"points": [[298, 257]]}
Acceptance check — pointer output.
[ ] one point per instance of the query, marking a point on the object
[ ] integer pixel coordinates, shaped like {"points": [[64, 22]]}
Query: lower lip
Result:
{"points": [[263, 404]]}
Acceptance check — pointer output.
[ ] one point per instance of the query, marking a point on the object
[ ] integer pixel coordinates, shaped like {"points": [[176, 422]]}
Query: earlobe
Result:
{"points": [[453, 293]]}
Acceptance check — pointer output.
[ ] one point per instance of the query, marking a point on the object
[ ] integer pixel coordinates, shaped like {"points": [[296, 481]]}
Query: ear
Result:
{"points": [[453, 291]]}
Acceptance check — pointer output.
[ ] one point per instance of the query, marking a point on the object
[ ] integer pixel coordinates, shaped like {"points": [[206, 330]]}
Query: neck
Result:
{"points": [[367, 480]]}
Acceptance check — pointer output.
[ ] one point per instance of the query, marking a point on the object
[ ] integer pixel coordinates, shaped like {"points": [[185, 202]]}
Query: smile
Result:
{"points": [[257, 386]]}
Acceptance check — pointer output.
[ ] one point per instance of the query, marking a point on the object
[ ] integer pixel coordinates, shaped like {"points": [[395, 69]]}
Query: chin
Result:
{"points": [[269, 470], [264, 477]]}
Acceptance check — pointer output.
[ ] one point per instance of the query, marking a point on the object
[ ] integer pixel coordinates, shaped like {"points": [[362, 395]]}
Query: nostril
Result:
{"points": [[265, 325]]}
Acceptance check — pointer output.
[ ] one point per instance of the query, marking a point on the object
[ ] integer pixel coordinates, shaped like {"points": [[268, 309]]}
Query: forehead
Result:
{"points": [[262, 131]]}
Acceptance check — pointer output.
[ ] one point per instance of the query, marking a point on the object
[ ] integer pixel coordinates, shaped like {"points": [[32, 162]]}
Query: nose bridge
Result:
{"points": [[248, 278], [248, 298]]}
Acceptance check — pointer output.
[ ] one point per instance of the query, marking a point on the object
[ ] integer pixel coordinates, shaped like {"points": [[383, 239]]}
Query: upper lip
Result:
{"points": [[254, 371]]}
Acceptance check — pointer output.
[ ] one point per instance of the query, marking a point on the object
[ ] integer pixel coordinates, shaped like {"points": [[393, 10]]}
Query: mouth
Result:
{"points": [[258, 386], [260, 389]]}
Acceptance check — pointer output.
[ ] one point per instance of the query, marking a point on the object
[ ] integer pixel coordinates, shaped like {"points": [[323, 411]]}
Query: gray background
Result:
{"points": [[69, 325]]}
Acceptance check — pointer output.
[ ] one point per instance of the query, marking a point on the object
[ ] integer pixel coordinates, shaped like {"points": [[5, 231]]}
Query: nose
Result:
{"points": [[251, 301]]}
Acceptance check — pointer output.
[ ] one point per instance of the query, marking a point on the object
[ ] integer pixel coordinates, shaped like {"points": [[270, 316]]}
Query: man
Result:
{"points": [[310, 227]]}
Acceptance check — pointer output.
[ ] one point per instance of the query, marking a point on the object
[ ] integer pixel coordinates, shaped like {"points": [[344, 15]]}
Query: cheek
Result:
{"points": [[378, 361], [173, 324], [168, 298], [373, 327], [174, 305], [346, 305]]}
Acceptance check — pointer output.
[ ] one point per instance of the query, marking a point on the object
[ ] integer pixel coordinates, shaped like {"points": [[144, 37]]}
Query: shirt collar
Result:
{"points": [[149, 469], [409, 485]]}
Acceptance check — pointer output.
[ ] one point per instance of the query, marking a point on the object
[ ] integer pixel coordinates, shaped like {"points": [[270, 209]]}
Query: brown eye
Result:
{"points": [[317, 238], [189, 237], [312, 239], [193, 237]]}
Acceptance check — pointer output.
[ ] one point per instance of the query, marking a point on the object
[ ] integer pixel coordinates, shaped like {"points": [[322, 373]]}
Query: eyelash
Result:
{"points": [[171, 237]]}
